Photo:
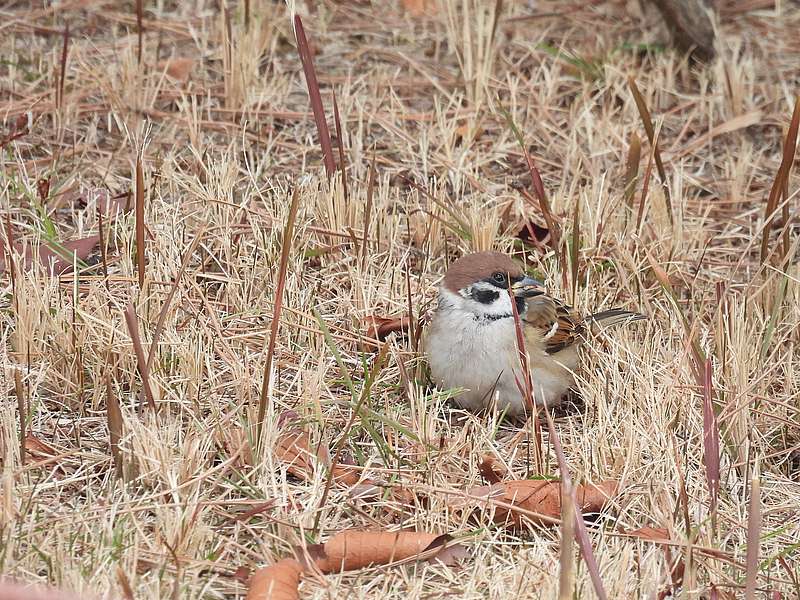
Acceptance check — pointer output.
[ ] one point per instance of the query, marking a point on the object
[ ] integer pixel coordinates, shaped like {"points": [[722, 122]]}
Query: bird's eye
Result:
{"points": [[500, 277]]}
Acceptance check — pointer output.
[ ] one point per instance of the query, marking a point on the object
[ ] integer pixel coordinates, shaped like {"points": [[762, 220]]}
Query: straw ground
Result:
{"points": [[112, 499]]}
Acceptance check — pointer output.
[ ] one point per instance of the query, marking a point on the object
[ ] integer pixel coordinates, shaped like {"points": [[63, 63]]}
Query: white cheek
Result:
{"points": [[500, 306], [463, 301]]}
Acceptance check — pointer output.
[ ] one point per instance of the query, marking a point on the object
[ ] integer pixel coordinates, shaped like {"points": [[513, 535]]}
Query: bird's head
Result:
{"points": [[478, 283]]}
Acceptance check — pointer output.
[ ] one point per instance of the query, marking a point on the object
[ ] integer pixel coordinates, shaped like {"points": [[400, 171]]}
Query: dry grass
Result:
{"points": [[224, 140]]}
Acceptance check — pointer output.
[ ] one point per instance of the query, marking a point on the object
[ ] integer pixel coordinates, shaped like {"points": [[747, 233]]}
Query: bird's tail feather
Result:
{"points": [[613, 316]]}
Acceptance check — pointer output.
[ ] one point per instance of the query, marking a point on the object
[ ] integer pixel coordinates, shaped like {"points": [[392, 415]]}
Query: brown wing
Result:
{"points": [[558, 324]]}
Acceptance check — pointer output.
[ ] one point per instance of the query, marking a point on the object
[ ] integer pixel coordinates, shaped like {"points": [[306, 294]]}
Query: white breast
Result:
{"points": [[480, 357]]}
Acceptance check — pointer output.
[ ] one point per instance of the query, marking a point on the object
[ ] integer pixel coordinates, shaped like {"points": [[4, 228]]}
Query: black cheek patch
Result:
{"points": [[484, 296]]}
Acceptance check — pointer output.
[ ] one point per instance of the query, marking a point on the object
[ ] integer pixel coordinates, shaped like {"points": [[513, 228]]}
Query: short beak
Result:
{"points": [[528, 287]]}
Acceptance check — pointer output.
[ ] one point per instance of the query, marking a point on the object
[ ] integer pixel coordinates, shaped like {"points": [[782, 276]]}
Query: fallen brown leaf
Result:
{"points": [[276, 582], [294, 449], [111, 206], [345, 474], [380, 327], [242, 574], [17, 130], [351, 549], [144, 566], [234, 441], [490, 469], [593, 497], [370, 491], [53, 260], [541, 497], [468, 133], [653, 534], [37, 447], [256, 510], [420, 8], [177, 68]]}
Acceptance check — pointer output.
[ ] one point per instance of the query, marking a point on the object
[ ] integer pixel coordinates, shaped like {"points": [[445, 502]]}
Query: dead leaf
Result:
{"points": [[144, 566], [653, 534], [294, 449], [468, 133], [366, 491], [370, 491], [256, 510], [38, 448], [242, 574], [177, 68], [490, 469], [52, 260], [380, 327], [234, 441], [345, 474], [541, 497], [593, 497], [17, 130], [110, 206], [420, 8], [43, 190], [351, 549], [276, 582]]}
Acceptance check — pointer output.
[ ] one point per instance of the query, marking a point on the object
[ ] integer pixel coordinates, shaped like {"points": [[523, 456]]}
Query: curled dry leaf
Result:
{"points": [[294, 450], [540, 497], [380, 327], [593, 497], [53, 259], [276, 582], [490, 469], [350, 550]]}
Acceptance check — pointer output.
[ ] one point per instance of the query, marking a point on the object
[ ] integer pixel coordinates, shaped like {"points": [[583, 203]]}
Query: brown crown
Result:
{"points": [[474, 267]]}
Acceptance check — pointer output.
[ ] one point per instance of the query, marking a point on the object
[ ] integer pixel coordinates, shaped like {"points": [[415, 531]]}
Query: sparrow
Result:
{"points": [[471, 343]]}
